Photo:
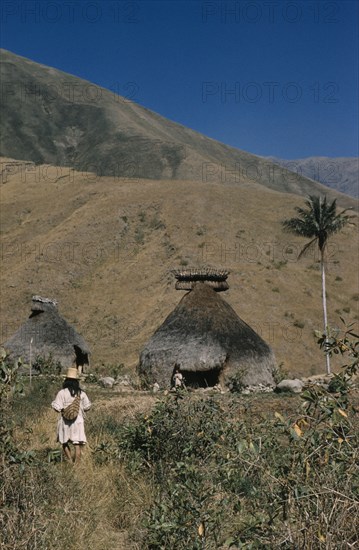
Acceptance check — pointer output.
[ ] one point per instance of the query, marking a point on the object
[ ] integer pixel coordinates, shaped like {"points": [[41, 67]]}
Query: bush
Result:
{"points": [[279, 373], [221, 479], [35, 398], [47, 365]]}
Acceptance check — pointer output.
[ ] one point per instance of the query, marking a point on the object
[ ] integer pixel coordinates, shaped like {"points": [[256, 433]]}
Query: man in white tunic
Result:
{"points": [[178, 379], [71, 431]]}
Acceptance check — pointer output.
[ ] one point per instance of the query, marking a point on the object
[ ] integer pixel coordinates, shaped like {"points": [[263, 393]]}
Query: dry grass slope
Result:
{"points": [[103, 247]]}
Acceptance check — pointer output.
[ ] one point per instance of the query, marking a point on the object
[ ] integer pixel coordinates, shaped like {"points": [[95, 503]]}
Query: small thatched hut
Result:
{"points": [[46, 334], [206, 339]]}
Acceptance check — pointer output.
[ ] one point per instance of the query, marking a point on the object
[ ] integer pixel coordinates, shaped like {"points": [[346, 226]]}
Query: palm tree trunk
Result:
{"points": [[326, 328]]}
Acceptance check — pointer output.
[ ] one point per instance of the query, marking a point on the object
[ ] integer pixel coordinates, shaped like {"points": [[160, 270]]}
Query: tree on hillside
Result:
{"points": [[318, 222]]}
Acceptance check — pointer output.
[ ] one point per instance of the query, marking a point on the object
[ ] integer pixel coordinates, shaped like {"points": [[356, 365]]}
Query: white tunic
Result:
{"points": [[66, 430], [178, 378]]}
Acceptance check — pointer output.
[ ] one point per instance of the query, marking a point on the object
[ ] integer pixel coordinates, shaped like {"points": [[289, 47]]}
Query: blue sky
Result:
{"points": [[270, 77]]}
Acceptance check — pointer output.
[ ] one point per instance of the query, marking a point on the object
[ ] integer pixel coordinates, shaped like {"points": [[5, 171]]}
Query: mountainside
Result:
{"points": [[340, 173], [104, 249], [48, 116]]}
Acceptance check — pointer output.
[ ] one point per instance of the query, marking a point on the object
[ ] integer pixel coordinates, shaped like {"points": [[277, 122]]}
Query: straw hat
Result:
{"points": [[72, 373]]}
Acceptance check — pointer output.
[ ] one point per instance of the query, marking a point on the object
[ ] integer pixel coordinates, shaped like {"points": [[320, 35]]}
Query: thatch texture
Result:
{"points": [[51, 336], [204, 335], [189, 285], [215, 278]]}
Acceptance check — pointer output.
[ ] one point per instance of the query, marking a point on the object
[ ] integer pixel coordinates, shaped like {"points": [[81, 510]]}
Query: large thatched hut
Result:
{"points": [[206, 339], [46, 334]]}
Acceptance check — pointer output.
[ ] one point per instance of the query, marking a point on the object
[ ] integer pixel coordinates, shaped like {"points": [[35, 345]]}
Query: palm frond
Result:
{"points": [[317, 221], [306, 247], [299, 227]]}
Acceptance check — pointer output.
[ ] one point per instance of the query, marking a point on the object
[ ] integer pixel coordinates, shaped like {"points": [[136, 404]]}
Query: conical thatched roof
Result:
{"points": [[204, 335], [48, 334]]}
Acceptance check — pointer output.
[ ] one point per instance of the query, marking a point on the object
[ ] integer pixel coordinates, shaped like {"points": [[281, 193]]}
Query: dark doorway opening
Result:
{"points": [[201, 379], [81, 357]]}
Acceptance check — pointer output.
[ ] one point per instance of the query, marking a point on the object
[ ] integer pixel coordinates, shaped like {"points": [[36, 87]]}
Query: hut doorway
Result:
{"points": [[81, 357], [201, 379]]}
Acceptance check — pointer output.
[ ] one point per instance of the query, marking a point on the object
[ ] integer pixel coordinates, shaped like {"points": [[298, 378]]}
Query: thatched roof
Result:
{"points": [[50, 335], [202, 334]]}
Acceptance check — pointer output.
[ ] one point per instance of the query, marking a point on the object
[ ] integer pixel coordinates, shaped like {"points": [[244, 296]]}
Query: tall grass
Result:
{"points": [[47, 503]]}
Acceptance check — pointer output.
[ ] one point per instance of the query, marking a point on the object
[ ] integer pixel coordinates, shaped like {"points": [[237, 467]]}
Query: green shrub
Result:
{"points": [[222, 478], [47, 365], [36, 397], [279, 373], [139, 236], [235, 382]]}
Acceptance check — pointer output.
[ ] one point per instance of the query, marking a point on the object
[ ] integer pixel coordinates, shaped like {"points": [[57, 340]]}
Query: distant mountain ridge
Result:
{"points": [[340, 173], [50, 117]]}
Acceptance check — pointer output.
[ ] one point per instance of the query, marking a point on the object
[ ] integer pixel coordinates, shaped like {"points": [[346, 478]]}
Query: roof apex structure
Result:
{"points": [[215, 278], [45, 300]]}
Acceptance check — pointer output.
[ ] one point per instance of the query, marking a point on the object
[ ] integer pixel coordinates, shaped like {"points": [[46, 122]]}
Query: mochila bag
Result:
{"points": [[72, 411]]}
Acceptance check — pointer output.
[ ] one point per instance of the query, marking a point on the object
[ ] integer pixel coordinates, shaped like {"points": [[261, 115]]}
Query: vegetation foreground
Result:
{"points": [[184, 470]]}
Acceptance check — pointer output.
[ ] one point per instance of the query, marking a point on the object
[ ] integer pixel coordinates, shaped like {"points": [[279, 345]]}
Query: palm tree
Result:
{"points": [[318, 222]]}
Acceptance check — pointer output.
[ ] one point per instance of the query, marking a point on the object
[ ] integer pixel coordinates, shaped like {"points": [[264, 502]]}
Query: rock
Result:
{"points": [[259, 388], [322, 380], [124, 380], [293, 386], [155, 387], [107, 382]]}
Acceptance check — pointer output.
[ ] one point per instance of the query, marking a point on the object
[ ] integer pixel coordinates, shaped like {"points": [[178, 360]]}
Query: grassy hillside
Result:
{"points": [[104, 248], [48, 116]]}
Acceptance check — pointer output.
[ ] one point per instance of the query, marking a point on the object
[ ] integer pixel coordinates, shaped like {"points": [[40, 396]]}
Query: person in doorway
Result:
{"points": [[71, 431], [178, 380]]}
